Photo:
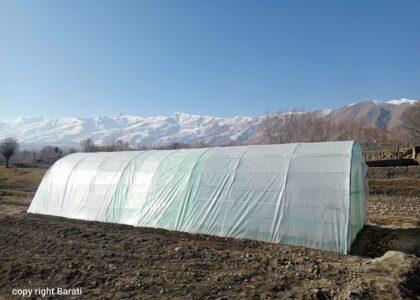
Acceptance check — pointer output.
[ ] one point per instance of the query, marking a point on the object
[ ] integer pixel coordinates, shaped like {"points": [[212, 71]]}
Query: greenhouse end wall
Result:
{"points": [[299, 194], [359, 192]]}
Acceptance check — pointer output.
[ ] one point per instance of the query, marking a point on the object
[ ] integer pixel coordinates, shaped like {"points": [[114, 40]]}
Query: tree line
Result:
{"points": [[306, 128], [9, 148]]}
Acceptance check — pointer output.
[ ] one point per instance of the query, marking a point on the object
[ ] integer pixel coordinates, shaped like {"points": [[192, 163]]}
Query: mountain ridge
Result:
{"points": [[180, 127]]}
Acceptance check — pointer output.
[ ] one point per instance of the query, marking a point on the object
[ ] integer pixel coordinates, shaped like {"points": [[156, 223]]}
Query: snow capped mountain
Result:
{"points": [[137, 131], [401, 101], [178, 127]]}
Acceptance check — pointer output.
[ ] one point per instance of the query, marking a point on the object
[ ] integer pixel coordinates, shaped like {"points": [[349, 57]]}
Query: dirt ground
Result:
{"points": [[116, 261]]}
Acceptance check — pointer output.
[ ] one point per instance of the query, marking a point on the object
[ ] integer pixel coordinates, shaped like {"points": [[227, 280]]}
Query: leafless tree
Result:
{"points": [[298, 127], [112, 147], [294, 127], [411, 121], [178, 145], [8, 147], [24, 156], [88, 145], [116, 145], [58, 152], [122, 146], [47, 154], [344, 131]]}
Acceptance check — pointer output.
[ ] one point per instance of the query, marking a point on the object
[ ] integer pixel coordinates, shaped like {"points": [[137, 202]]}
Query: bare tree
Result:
{"points": [[179, 145], [344, 131], [88, 145], [8, 147], [122, 146], [115, 145], [305, 127], [411, 121], [24, 156], [58, 152], [295, 127], [47, 154], [112, 147]]}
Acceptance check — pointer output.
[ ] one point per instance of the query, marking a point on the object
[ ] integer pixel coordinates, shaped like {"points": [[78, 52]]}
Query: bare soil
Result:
{"points": [[112, 261]]}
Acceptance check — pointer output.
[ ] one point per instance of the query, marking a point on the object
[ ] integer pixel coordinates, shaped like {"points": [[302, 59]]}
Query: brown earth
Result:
{"points": [[116, 261]]}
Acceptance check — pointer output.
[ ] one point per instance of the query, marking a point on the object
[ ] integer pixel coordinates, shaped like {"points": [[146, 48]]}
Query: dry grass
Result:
{"points": [[20, 182], [400, 186]]}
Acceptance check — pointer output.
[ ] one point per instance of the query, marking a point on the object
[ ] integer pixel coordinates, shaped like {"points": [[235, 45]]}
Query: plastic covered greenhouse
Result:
{"points": [[310, 194]]}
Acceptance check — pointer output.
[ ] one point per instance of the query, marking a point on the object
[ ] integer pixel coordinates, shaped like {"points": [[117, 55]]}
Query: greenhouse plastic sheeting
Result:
{"points": [[310, 194]]}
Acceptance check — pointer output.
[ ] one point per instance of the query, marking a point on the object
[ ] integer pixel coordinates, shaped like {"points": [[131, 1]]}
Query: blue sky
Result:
{"points": [[224, 58]]}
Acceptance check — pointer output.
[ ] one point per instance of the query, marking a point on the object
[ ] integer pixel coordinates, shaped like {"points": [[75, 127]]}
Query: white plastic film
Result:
{"points": [[292, 193]]}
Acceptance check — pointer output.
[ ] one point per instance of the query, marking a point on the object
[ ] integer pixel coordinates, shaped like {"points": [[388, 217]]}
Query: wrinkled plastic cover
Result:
{"points": [[290, 193]]}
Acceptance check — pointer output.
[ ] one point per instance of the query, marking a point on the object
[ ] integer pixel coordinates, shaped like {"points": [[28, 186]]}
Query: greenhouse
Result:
{"points": [[309, 194]]}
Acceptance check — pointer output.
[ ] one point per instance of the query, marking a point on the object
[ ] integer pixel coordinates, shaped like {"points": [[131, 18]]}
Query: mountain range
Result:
{"points": [[180, 127]]}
